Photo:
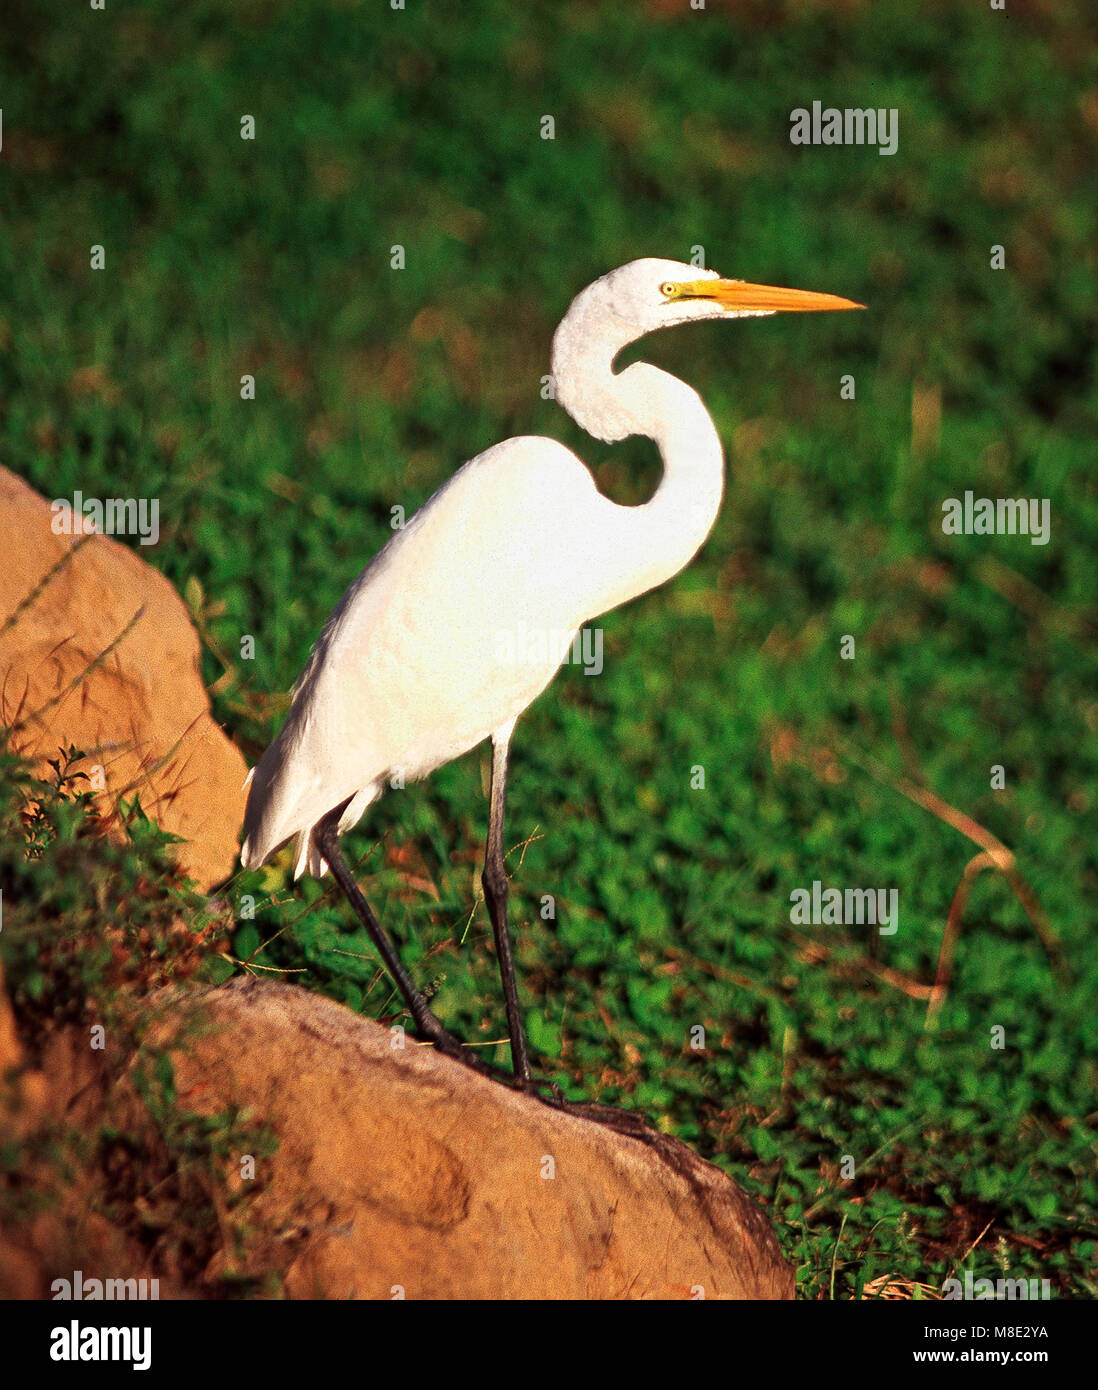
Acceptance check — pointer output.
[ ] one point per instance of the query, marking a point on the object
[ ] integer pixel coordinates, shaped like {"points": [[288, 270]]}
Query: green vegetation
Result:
{"points": [[92, 927], [421, 128]]}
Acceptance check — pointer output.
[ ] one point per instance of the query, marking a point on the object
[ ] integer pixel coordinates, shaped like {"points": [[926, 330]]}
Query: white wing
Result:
{"points": [[458, 623]]}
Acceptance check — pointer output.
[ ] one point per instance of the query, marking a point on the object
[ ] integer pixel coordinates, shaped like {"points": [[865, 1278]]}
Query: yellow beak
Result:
{"points": [[740, 294]]}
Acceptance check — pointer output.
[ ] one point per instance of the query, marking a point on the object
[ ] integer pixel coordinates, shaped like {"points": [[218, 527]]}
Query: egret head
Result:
{"points": [[651, 293], [640, 298]]}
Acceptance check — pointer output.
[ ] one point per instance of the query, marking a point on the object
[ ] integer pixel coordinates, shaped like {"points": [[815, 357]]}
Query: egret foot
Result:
{"points": [[628, 1122], [435, 1035]]}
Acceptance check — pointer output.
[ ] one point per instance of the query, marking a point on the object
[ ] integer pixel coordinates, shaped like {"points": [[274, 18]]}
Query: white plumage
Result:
{"points": [[407, 673]]}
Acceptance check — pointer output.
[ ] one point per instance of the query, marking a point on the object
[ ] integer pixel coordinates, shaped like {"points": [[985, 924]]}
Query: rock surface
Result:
{"points": [[398, 1172], [401, 1170], [141, 713]]}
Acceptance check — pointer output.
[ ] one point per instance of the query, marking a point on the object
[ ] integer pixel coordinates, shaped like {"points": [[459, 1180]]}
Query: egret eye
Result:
{"points": [[667, 289]]}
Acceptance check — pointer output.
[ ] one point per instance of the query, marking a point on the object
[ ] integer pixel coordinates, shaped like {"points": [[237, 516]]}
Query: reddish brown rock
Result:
{"points": [[140, 711], [401, 1170], [397, 1172]]}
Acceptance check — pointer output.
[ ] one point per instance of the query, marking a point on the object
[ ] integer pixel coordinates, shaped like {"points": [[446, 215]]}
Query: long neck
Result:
{"points": [[652, 542]]}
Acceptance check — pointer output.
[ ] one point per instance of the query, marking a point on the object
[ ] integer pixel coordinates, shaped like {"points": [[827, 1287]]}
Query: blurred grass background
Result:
{"points": [[422, 128]]}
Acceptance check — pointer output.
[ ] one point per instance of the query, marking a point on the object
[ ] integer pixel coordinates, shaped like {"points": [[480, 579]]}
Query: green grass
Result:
{"points": [[271, 257]]}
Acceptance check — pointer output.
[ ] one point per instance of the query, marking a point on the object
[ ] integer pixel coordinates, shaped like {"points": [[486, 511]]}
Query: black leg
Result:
{"points": [[495, 893], [326, 837]]}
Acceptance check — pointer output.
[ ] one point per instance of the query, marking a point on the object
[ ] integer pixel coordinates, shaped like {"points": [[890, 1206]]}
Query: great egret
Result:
{"points": [[418, 663]]}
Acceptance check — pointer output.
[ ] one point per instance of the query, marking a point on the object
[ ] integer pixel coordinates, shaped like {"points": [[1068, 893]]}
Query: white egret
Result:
{"points": [[421, 659]]}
